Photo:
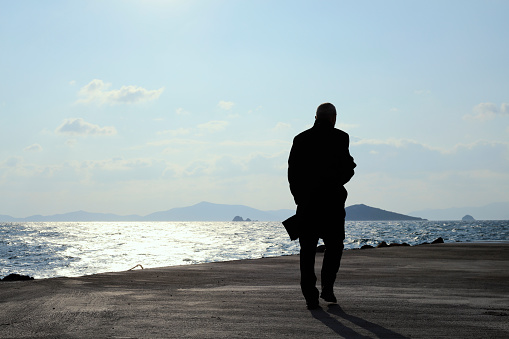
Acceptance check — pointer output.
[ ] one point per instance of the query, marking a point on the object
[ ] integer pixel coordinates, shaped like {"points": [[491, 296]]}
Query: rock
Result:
{"points": [[396, 244], [247, 219], [366, 247], [438, 241], [468, 217], [382, 244], [16, 277]]}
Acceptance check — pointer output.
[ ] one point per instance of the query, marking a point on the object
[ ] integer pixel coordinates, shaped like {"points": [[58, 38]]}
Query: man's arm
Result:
{"points": [[292, 175], [347, 163], [295, 171]]}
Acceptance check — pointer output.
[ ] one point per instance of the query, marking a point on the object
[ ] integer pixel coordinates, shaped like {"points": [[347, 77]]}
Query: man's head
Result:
{"points": [[327, 112]]}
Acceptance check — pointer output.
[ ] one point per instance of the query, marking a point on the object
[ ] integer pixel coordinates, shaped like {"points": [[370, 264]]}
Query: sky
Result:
{"points": [[132, 107]]}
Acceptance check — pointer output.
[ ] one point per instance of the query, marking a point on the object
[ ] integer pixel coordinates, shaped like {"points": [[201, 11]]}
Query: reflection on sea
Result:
{"points": [[53, 249]]}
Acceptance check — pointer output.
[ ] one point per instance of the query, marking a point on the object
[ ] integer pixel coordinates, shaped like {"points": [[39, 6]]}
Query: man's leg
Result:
{"points": [[308, 245], [330, 266]]}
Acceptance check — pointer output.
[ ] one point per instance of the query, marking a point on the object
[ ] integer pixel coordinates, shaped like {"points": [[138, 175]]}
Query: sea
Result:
{"points": [[70, 249]]}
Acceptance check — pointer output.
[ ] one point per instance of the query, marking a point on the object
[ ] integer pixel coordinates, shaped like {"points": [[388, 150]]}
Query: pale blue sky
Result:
{"points": [[140, 106]]}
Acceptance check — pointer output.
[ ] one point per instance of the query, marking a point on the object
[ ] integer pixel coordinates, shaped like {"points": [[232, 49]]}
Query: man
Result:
{"points": [[318, 167]]}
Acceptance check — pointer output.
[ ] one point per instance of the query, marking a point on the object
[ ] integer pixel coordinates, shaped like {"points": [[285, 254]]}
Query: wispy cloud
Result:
{"points": [[97, 91], [117, 164], [487, 111], [176, 132], [281, 126], [70, 142], [228, 166], [399, 156], [389, 142], [181, 111], [226, 105], [78, 126], [257, 143], [33, 148], [346, 127], [176, 141], [213, 126]]}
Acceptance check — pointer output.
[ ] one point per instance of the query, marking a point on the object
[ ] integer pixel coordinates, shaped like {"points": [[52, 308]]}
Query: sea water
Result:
{"points": [[52, 249]]}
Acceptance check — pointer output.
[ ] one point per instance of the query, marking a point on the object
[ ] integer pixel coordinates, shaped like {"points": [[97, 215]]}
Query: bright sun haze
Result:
{"points": [[132, 107]]}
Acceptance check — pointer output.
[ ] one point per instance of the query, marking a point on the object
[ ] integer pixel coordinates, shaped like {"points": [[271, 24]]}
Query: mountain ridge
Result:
{"points": [[206, 211]]}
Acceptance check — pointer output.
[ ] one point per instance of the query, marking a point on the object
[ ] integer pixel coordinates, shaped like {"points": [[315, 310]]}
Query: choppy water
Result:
{"points": [[51, 249]]}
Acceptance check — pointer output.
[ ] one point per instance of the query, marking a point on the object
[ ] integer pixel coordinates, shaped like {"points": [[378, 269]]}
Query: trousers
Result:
{"points": [[333, 242]]}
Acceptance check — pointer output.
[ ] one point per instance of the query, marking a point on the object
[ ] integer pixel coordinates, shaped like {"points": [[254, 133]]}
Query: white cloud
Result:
{"points": [[78, 126], [228, 166], [276, 163], [97, 91], [226, 105], [70, 142], [178, 145], [33, 148], [414, 173], [346, 127], [11, 162], [504, 108], [389, 142], [116, 164], [176, 132], [181, 111], [408, 157], [281, 126], [487, 111], [213, 126], [271, 144], [177, 141]]}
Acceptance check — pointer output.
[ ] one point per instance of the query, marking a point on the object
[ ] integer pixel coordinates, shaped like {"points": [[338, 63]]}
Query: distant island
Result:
{"points": [[239, 218], [493, 211], [468, 217], [362, 212], [206, 211]]}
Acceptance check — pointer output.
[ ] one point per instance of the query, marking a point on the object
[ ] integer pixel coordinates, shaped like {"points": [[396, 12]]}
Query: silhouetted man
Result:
{"points": [[318, 167]]}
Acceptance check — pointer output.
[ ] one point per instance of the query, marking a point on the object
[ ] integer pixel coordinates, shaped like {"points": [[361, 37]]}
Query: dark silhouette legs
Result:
{"points": [[307, 270], [331, 262], [330, 267]]}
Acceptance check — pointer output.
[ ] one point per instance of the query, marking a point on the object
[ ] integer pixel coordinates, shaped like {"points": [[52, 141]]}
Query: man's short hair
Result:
{"points": [[325, 110]]}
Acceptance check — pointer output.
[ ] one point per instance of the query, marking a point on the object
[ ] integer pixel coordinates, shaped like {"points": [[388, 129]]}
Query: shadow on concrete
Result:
{"points": [[344, 331]]}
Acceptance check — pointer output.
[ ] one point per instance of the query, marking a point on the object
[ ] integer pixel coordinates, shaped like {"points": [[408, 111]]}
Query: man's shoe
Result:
{"points": [[313, 305], [328, 296]]}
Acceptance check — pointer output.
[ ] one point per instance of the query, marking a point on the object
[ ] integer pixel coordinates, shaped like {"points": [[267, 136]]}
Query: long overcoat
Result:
{"points": [[318, 167]]}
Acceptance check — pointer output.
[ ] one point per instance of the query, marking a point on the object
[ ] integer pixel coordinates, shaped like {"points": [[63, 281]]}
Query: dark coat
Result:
{"points": [[318, 167]]}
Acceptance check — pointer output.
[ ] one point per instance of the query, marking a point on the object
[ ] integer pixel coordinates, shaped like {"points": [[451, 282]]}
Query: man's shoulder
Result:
{"points": [[304, 135], [311, 132], [341, 133]]}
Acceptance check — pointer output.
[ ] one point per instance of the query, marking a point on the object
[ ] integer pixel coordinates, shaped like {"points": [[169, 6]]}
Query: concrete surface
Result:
{"points": [[430, 291]]}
